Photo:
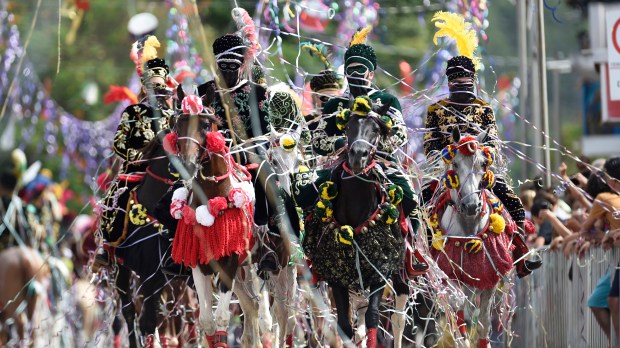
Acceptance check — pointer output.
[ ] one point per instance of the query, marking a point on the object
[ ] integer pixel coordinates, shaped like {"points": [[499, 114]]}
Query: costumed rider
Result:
{"points": [[472, 115], [12, 209], [325, 85], [328, 138], [243, 107], [140, 123]]}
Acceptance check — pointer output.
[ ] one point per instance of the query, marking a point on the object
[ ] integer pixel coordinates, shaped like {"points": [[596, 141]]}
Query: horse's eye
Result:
{"points": [[456, 166]]}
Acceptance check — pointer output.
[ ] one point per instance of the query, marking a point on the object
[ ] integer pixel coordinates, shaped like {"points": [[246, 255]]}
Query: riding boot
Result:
{"points": [[267, 264], [102, 258], [483, 343], [174, 269], [415, 265], [524, 267], [371, 338]]}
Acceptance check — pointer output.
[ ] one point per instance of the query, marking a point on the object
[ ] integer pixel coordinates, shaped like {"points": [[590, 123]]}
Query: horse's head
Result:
{"points": [[191, 134], [468, 173], [364, 128]]}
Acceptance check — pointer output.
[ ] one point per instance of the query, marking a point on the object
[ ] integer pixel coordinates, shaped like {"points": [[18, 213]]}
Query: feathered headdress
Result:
{"points": [[247, 30], [318, 50], [118, 94], [359, 51], [454, 26], [149, 50], [360, 36]]}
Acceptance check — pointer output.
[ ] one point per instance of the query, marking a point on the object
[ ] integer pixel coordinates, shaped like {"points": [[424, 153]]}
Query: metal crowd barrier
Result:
{"points": [[552, 309]]}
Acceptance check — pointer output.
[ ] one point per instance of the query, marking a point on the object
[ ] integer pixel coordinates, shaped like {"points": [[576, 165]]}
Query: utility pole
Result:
{"points": [[544, 107], [523, 88]]}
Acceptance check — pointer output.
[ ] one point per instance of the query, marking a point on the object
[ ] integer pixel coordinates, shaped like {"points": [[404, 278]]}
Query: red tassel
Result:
{"points": [[289, 341], [468, 145], [170, 143], [483, 343]]}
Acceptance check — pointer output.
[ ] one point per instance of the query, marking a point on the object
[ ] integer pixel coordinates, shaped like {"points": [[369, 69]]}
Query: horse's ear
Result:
{"points": [[180, 92], [482, 136], [384, 108], [456, 134]]}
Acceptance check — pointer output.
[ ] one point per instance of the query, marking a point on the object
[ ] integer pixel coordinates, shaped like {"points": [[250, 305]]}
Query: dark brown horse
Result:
{"points": [[146, 245], [215, 228]]}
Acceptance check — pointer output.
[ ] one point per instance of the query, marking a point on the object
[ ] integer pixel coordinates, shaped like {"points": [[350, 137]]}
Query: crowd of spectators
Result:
{"points": [[581, 214]]}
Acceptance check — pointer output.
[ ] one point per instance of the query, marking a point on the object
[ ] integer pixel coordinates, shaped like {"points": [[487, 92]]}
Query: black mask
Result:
{"points": [[462, 92], [230, 73], [358, 85]]}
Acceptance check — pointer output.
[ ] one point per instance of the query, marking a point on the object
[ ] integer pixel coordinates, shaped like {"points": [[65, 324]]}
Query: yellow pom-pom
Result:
{"points": [[287, 142], [438, 241], [328, 190], [303, 169], [345, 235], [497, 224], [362, 105]]}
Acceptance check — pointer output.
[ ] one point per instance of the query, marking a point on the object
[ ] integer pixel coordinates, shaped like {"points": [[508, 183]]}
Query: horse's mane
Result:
{"points": [[148, 151]]}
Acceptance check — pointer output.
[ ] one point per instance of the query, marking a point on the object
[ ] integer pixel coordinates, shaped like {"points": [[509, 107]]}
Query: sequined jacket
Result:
{"points": [[327, 138], [245, 108], [471, 119], [139, 125]]}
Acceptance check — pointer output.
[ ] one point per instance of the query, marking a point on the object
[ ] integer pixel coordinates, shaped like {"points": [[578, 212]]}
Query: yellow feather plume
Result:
{"points": [[454, 26], [150, 49], [360, 36]]}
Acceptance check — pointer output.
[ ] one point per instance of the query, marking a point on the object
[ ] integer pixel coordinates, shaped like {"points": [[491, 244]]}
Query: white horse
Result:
{"points": [[471, 230]]}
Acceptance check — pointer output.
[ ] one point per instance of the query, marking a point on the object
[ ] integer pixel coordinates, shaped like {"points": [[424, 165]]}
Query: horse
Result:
{"points": [[360, 246], [215, 230], [471, 230], [145, 245], [24, 298], [282, 159]]}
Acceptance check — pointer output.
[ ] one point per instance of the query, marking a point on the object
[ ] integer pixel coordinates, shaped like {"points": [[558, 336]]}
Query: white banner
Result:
{"points": [[613, 52]]}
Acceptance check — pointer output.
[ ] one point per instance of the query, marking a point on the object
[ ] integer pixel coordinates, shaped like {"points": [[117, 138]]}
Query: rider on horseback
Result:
{"points": [[140, 123], [471, 115], [360, 64]]}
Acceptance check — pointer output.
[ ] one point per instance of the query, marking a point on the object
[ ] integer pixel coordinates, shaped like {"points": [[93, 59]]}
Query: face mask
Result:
{"points": [[230, 73], [358, 84], [462, 92]]}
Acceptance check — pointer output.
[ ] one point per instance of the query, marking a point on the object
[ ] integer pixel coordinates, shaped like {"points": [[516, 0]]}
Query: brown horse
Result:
{"points": [[215, 229], [21, 298]]}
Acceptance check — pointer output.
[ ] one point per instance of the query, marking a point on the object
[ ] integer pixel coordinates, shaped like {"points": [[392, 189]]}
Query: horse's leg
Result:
{"points": [[484, 319], [359, 310], [204, 290], [151, 293], [372, 315], [128, 308], [244, 288], [341, 298], [398, 318], [284, 304], [227, 269]]}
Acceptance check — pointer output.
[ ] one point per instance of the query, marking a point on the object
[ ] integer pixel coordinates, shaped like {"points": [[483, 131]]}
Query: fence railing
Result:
{"points": [[552, 309]]}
